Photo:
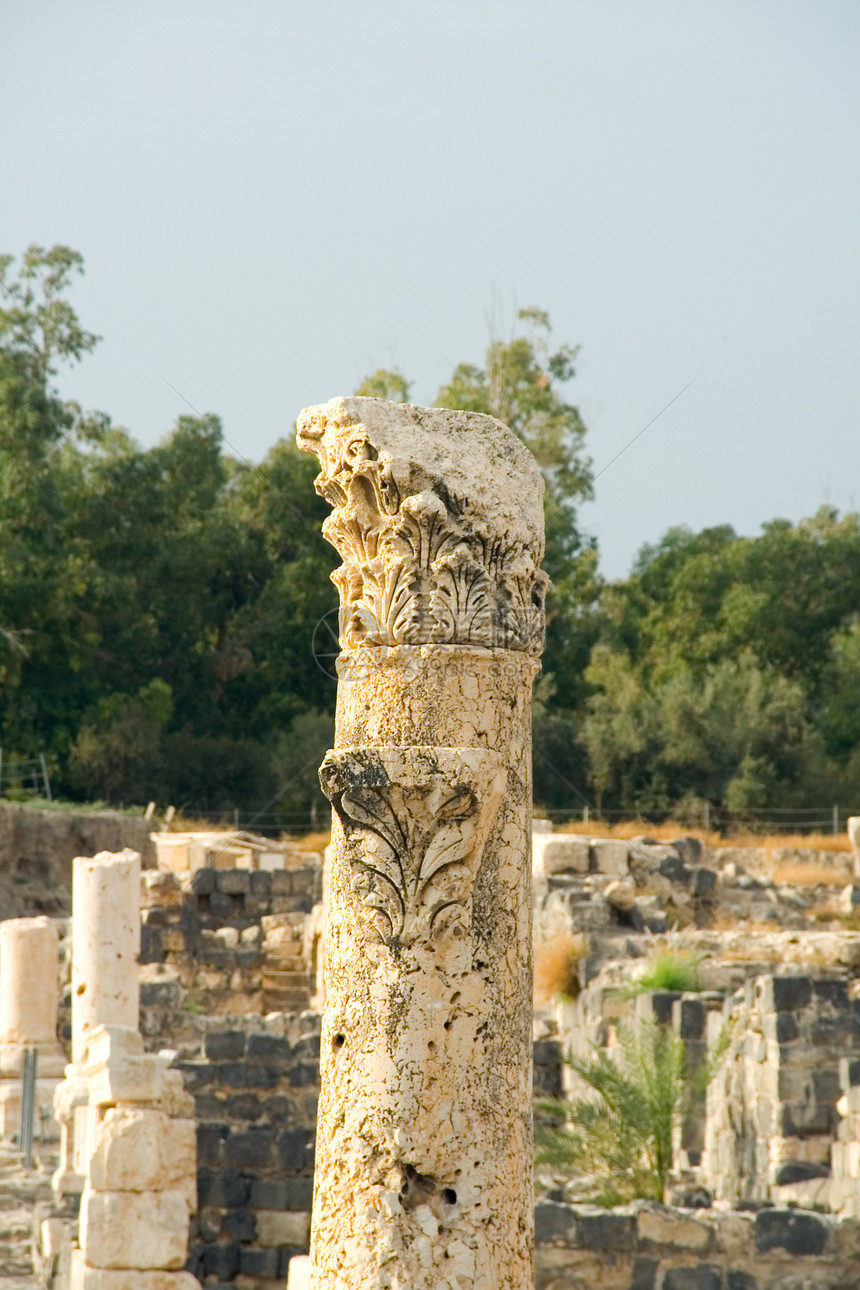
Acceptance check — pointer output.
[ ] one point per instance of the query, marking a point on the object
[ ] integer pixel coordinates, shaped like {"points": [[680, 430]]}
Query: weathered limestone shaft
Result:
{"points": [[423, 1175], [29, 999], [105, 944], [29, 991]]}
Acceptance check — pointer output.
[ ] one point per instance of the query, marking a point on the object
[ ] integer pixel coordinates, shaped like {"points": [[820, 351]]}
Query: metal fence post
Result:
{"points": [[28, 1105]]}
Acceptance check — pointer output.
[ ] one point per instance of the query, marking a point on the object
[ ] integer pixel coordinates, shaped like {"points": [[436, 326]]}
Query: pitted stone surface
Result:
{"points": [[423, 1175]]}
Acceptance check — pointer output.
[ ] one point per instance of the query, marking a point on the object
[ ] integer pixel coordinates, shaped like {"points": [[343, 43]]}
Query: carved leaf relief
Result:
{"points": [[416, 821]]}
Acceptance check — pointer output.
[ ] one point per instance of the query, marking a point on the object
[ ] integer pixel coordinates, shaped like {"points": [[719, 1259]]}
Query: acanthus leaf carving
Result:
{"points": [[416, 821], [426, 561]]}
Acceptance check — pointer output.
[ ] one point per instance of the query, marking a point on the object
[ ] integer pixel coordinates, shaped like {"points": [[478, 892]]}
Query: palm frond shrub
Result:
{"points": [[619, 1136]]}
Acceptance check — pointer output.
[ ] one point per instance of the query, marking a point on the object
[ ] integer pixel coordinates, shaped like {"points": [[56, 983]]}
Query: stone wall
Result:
{"points": [[646, 1246], [37, 846], [255, 1094], [772, 1105], [229, 943]]}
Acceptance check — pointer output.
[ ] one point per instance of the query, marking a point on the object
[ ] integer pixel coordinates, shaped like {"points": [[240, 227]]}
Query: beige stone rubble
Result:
{"points": [[424, 1142], [141, 1164]]}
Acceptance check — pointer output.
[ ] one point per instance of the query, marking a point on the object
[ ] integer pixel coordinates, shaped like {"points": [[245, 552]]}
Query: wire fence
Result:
{"points": [[24, 776], [764, 820]]}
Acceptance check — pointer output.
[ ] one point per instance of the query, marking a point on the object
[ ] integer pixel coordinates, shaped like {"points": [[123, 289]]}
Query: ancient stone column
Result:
{"points": [[29, 998], [105, 944], [141, 1169], [105, 988], [424, 1144]]}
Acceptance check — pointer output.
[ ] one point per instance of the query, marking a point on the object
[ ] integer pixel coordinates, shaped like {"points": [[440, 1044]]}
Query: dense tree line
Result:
{"points": [[163, 610]]}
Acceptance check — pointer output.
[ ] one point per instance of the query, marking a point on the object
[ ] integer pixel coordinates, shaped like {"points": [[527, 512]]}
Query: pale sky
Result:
{"points": [[273, 198]]}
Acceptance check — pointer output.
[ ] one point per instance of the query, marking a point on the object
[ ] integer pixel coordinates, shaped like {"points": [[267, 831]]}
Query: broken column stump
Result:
{"points": [[29, 1000], [105, 988], [424, 1145]]}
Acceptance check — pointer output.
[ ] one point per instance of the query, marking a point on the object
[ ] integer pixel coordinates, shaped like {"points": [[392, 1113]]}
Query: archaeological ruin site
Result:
{"points": [[366, 1061]]}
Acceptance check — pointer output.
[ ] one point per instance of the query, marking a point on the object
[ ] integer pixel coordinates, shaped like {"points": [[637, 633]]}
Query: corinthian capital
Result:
{"points": [[438, 518]]}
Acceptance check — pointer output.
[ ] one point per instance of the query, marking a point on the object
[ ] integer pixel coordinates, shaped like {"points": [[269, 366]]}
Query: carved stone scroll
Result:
{"points": [[423, 1167]]}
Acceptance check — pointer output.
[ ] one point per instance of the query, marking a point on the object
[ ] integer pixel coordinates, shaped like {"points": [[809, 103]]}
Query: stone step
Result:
{"points": [[286, 1000], [284, 963], [274, 980]]}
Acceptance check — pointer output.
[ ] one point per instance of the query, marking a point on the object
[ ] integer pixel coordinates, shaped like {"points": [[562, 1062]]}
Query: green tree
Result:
{"points": [[35, 319], [385, 383], [116, 756]]}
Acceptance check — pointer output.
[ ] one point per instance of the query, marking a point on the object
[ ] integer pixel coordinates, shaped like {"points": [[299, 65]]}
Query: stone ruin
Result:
{"points": [[176, 1016]]}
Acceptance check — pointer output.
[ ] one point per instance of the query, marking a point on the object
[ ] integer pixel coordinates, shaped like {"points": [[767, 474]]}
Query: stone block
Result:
{"points": [[737, 1280], [621, 894], [555, 1222], [225, 1188], [209, 1140], [301, 1193], [221, 905], [238, 1225], [787, 993], [781, 1026], [688, 1018], [232, 1074], [266, 1194], [849, 1072], [259, 1263], [673, 869], [203, 881], [122, 1229], [282, 1227], [703, 881], [268, 1048], [832, 1031], [142, 1151], [85, 1277], [611, 856], [660, 1225], [560, 853], [118, 1070], [795, 1171], [243, 1106], [224, 1045], [644, 1275], [606, 1230], [704, 1276], [294, 1148], [790, 1230], [233, 882], [251, 1148], [691, 849], [299, 1272], [825, 1084], [221, 1261]]}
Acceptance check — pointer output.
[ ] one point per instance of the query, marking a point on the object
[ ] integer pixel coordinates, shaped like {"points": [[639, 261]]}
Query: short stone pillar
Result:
{"points": [[854, 839], [141, 1170], [424, 1143], [105, 985], [105, 944], [29, 997]]}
